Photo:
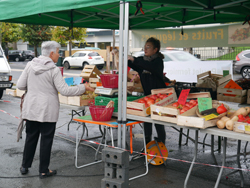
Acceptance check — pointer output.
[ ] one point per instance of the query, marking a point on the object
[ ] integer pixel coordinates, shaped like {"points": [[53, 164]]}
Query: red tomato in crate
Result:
{"points": [[153, 97], [182, 111], [189, 105], [192, 101], [157, 100], [142, 101], [150, 100], [158, 95], [185, 108], [146, 98], [176, 104], [146, 105], [161, 96]]}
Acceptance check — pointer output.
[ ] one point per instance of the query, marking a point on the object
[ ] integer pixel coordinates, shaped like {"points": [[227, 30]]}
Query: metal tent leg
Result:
{"points": [[239, 166], [194, 159], [223, 162]]}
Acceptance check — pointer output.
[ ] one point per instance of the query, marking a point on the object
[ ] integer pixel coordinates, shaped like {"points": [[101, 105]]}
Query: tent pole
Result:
{"points": [[125, 73], [120, 73]]}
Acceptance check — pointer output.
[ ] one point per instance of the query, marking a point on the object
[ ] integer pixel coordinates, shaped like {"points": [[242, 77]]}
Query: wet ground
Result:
{"points": [[63, 158]]}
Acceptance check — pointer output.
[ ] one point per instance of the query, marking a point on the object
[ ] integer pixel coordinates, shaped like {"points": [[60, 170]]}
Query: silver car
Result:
{"points": [[242, 64]]}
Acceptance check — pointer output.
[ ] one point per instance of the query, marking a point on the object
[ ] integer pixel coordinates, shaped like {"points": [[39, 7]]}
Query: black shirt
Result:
{"points": [[151, 73]]}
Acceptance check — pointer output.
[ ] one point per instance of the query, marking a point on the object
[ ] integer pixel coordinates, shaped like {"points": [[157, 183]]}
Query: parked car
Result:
{"points": [[29, 54], [5, 76], [82, 58], [17, 55], [242, 64]]}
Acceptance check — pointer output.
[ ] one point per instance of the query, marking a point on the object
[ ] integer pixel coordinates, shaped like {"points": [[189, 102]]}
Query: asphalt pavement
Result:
{"points": [[63, 155]]}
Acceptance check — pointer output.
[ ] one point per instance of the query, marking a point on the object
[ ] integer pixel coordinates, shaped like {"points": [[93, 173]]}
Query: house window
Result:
{"points": [[103, 45]]}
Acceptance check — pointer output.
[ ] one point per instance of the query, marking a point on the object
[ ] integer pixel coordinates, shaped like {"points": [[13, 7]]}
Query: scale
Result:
{"points": [[111, 92]]}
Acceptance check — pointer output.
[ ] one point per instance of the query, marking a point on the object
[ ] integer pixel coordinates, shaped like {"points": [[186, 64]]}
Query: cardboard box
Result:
{"points": [[63, 99], [78, 101], [11, 92], [19, 93], [168, 113], [139, 109]]}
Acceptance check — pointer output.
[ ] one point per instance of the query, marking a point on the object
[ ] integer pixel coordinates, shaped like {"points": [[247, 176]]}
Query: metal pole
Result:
{"points": [[125, 72], [113, 57], [120, 72]]}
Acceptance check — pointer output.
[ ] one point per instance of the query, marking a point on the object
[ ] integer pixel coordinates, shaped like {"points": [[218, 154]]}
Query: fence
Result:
{"points": [[225, 53]]}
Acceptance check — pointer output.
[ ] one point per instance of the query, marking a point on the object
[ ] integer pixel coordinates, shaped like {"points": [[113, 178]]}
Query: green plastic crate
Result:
{"points": [[103, 101]]}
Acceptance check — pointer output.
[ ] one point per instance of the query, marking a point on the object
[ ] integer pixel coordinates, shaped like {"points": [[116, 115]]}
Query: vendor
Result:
{"points": [[150, 69], [43, 80]]}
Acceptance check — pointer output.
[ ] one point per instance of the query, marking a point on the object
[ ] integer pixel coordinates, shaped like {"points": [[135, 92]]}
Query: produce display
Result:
{"points": [[186, 107], [241, 115], [244, 83], [90, 96], [153, 99]]}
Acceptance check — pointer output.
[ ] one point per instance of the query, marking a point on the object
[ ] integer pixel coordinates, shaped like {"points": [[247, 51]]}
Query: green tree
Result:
{"points": [[10, 32], [63, 35], [35, 34]]}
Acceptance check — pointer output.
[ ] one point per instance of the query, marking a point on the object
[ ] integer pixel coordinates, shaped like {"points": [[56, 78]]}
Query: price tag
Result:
{"points": [[247, 128], [241, 127], [183, 96], [204, 104], [158, 111], [210, 116]]}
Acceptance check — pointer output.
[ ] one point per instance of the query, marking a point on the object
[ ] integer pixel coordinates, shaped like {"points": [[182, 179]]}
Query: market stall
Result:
{"points": [[106, 14]]}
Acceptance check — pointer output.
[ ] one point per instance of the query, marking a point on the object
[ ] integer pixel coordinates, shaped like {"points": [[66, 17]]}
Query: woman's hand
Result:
{"points": [[88, 88], [131, 58]]}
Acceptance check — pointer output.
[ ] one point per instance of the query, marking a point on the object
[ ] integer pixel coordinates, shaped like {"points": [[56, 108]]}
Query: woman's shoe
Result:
{"points": [[24, 170], [48, 174]]}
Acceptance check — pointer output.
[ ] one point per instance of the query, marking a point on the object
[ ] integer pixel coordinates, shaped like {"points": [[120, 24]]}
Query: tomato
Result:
{"points": [[170, 93], [146, 105], [164, 97], [192, 101], [141, 101], [161, 96], [150, 102], [158, 95], [189, 105], [185, 108], [176, 104], [146, 98], [157, 100], [153, 97], [182, 111], [248, 121]]}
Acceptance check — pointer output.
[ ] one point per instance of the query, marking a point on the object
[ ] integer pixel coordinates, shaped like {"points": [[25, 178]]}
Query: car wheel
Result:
{"points": [[1, 94], [30, 58], [84, 64], [245, 73], [66, 65], [17, 59]]}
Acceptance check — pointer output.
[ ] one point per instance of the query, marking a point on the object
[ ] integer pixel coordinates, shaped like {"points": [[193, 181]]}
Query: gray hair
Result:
{"points": [[49, 46]]}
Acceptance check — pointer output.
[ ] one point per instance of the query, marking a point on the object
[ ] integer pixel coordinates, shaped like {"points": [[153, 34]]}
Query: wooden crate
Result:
{"points": [[78, 101], [196, 122], [11, 92], [248, 96], [19, 93], [140, 109], [241, 95], [240, 127], [168, 113], [90, 71], [63, 99], [95, 82]]}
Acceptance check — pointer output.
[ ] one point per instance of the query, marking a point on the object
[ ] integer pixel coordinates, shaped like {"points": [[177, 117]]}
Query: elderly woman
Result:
{"points": [[43, 80]]}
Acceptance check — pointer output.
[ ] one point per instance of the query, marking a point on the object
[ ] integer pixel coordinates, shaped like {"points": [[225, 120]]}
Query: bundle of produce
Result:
{"points": [[186, 107], [244, 83], [219, 109], [89, 95], [241, 115], [148, 100]]}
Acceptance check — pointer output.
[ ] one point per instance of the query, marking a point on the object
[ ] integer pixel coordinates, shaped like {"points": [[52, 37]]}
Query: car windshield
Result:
{"points": [[93, 54], [182, 56]]}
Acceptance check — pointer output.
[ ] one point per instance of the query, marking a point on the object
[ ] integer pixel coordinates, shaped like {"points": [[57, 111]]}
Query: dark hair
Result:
{"points": [[156, 44]]}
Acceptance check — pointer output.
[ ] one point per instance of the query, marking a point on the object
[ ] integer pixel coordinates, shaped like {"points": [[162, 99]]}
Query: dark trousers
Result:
{"points": [[33, 131], [160, 129]]}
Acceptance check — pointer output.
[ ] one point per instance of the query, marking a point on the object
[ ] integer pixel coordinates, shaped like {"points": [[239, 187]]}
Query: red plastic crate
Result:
{"points": [[101, 113], [109, 80]]}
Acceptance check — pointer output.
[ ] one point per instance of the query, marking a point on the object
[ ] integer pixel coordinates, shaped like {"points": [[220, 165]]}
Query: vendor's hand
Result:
{"points": [[88, 88], [131, 58]]}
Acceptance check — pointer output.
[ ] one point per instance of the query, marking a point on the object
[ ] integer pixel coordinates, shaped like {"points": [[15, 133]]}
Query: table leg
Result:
{"points": [[194, 159], [180, 136], [146, 163], [238, 162], [223, 162], [212, 150]]}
